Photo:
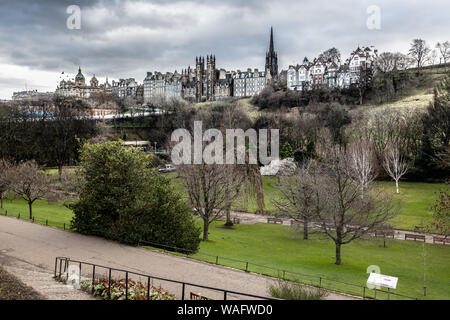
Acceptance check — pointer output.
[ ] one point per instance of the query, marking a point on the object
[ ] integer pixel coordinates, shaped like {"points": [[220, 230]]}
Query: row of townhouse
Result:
{"points": [[330, 74]]}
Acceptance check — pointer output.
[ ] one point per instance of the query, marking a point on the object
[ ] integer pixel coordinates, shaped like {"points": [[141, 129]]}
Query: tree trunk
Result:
{"points": [[396, 186], [30, 205], [228, 206], [60, 169], [1, 201], [305, 229], [338, 254], [205, 229]]}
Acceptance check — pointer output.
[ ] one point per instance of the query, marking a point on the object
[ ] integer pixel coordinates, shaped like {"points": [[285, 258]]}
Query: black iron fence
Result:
{"points": [[180, 289], [247, 266]]}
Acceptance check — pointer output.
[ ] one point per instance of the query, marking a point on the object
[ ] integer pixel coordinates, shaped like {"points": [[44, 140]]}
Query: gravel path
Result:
{"points": [[26, 244]]}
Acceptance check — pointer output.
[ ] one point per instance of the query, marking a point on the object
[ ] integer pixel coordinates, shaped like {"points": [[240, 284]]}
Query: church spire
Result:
{"points": [[272, 59], [271, 48]]}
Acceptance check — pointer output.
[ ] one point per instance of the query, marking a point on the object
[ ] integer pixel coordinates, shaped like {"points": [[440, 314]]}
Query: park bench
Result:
{"points": [[415, 237], [195, 296], [385, 233], [275, 220], [441, 240]]}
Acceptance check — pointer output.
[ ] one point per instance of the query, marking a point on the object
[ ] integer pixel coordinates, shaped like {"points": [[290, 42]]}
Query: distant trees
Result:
{"points": [[435, 139], [444, 50], [47, 131], [391, 69], [362, 163], [299, 197], [331, 54], [419, 52], [441, 213], [5, 166], [395, 164], [63, 134], [286, 151], [29, 182], [346, 215], [211, 188]]}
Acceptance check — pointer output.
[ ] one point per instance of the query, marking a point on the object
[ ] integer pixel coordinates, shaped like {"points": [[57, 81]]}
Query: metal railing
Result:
{"points": [[62, 266]]}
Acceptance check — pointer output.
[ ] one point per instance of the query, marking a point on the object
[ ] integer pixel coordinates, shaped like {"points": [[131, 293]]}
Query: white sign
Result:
{"points": [[381, 280]]}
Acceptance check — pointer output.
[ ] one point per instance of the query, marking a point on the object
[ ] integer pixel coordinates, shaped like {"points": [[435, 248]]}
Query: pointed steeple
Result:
{"points": [[271, 47], [272, 59]]}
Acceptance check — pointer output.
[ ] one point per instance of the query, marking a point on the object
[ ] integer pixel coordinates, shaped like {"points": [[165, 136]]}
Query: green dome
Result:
{"points": [[79, 76]]}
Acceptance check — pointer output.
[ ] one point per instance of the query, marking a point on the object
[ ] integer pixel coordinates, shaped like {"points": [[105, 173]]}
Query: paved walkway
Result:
{"points": [[22, 242], [252, 218]]}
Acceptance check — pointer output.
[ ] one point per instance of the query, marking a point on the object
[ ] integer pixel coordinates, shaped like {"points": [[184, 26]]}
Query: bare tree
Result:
{"points": [[28, 182], [444, 50], [395, 164], [331, 54], [346, 216], [420, 52], [362, 163], [5, 166], [299, 198], [208, 191]]}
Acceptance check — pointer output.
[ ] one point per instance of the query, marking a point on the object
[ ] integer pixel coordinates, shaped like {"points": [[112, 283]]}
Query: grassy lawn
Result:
{"points": [[56, 213], [416, 199], [280, 247]]}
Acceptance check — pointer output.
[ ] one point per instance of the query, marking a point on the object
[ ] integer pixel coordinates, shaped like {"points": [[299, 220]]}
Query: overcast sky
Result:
{"points": [[120, 39]]}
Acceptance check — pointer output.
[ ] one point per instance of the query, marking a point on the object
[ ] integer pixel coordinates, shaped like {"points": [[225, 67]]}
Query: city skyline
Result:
{"points": [[118, 40]]}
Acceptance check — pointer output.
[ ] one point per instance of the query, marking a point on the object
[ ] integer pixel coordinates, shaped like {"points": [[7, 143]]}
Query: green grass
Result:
{"points": [[416, 199], [56, 213], [278, 246]]}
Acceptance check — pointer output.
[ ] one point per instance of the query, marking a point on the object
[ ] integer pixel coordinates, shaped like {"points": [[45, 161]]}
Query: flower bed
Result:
{"points": [[136, 290]]}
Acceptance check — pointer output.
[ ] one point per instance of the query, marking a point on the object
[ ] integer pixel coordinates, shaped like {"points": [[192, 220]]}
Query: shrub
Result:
{"points": [[295, 291], [122, 199]]}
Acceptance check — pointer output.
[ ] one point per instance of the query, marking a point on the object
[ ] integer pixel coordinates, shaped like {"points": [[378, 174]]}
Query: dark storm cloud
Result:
{"points": [[126, 38]]}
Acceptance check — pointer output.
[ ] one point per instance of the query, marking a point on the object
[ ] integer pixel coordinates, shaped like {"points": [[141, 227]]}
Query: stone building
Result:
{"points": [[207, 83], [320, 74], [250, 83], [125, 88], [78, 88]]}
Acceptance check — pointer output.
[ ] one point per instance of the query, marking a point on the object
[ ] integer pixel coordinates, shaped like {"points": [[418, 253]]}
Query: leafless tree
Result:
{"points": [[444, 50], [29, 182], [331, 54], [299, 198], [395, 164], [208, 191], [5, 166], [362, 163], [346, 216], [420, 52]]}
